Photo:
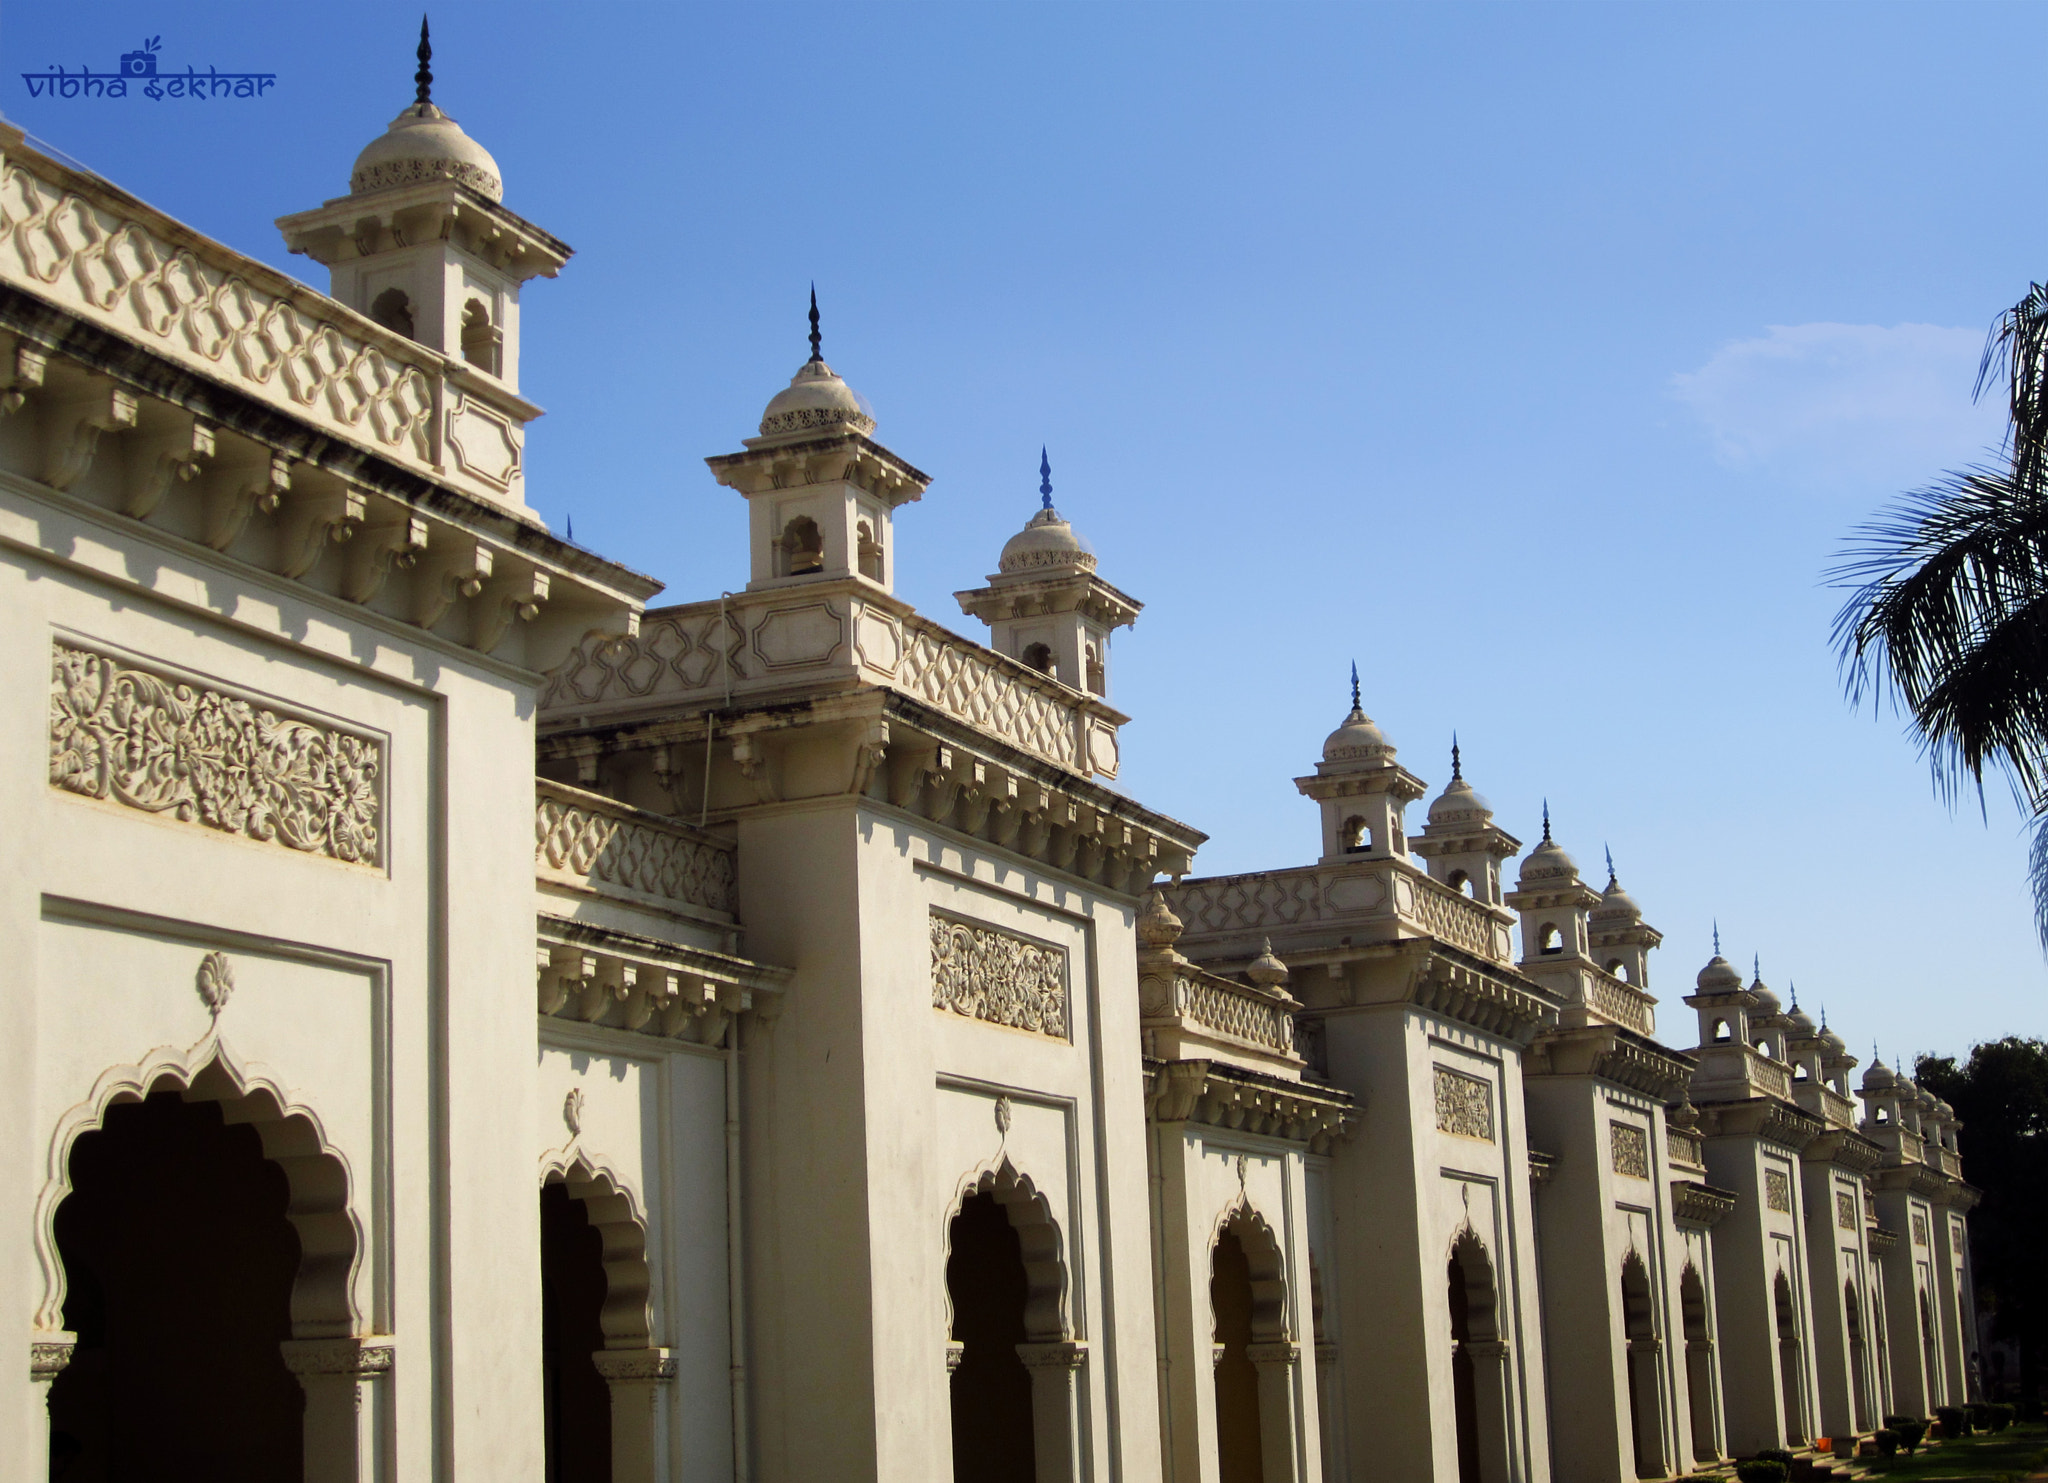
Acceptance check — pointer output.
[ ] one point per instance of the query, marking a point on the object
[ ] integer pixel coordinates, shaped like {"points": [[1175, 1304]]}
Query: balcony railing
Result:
{"points": [[587, 840], [1621, 1003], [1355, 893]]}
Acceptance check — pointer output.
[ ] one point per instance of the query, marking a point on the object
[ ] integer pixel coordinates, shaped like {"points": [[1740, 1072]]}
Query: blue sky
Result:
{"points": [[1538, 357]]}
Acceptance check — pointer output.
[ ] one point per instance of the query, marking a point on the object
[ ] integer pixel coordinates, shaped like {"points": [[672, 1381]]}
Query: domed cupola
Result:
{"points": [[1799, 1022], [815, 404], [1879, 1077], [1547, 864], [1044, 604], [425, 144], [1622, 940], [1554, 903], [1462, 844], [1768, 1004], [1363, 791]]}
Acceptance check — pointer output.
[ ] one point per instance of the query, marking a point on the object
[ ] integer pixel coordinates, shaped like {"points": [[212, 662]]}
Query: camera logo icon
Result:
{"points": [[141, 63]]}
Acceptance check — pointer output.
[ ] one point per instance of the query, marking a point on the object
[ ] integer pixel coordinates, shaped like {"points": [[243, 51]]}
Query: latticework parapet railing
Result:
{"points": [[1621, 1003], [1358, 893], [586, 840]]}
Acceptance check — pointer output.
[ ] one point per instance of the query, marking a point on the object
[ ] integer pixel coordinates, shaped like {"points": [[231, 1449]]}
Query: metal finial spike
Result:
{"points": [[1612, 878], [423, 80], [1457, 771], [817, 340], [1717, 937], [1044, 478], [1354, 685], [1756, 967], [1546, 821]]}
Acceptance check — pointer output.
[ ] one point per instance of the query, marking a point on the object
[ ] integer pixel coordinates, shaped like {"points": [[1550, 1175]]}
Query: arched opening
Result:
{"points": [[1098, 682], [1040, 657], [393, 309], [1015, 1366], [1326, 1365], [1699, 1363], [1800, 1073], [1618, 969], [870, 551], [1763, 1048], [480, 338], [578, 1404], [1722, 1034], [1884, 1116], [1357, 841], [1460, 882], [1239, 1447], [1548, 939], [1791, 1374], [180, 1261], [1478, 1364], [992, 1414], [1930, 1357], [1645, 1392], [801, 548], [1859, 1364]]}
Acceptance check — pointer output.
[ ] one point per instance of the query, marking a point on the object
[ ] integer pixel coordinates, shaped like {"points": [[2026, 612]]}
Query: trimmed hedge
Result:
{"points": [[1887, 1441], [1761, 1470]]}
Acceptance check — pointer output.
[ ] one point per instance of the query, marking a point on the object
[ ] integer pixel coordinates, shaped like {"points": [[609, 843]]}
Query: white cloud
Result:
{"points": [[1846, 403]]}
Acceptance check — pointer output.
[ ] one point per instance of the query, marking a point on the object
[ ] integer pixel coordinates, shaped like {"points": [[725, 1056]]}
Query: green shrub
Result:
{"points": [[1887, 1441], [1955, 1422], [1909, 1430], [1997, 1416], [1776, 1454], [1761, 1470]]}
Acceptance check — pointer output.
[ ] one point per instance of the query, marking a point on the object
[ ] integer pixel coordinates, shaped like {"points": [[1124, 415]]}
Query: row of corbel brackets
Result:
{"points": [[225, 490], [629, 992]]}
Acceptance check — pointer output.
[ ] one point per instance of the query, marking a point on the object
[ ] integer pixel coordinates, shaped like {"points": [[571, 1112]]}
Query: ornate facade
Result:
{"points": [[883, 1096]]}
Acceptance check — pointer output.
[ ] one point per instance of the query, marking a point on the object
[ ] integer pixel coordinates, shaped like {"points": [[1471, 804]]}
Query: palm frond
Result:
{"points": [[2037, 877], [2016, 352]]}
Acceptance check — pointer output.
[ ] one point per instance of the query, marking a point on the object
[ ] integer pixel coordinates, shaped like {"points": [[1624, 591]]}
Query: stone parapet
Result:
{"points": [[587, 842], [1365, 900]]}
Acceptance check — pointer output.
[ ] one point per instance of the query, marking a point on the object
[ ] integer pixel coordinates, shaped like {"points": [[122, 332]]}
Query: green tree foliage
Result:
{"points": [[2001, 1094]]}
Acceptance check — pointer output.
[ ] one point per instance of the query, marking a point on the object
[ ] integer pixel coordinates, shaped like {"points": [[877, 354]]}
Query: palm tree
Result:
{"points": [[1948, 613]]}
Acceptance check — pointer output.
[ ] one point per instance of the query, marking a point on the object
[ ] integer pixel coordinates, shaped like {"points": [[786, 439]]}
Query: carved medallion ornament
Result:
{"points": [[216, 982], [206, 757], [1464, 1104], [1845, 1210], [1778, 1190], [1630, 1150], [990, 975]]}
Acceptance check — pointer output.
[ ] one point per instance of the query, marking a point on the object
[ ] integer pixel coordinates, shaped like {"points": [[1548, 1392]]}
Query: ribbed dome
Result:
{"points": [[1719, 977], [1548, 862], [1802, 1022], [816, 402], [423, 144], [1459, 804], [1046, 543], [1767, 1003], [1616, 907], [1879, 1078], [1357, 740], [1831, 1041]]}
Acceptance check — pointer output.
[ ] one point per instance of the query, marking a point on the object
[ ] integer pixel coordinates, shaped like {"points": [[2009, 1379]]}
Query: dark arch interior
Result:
{"points": [[1464, 1387], [1239, 1446], [572, 1291], [992, 1431], [178, 1262]]}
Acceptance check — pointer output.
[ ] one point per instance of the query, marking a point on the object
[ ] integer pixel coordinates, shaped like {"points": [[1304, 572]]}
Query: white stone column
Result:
{"points": [[1277, 1364], [1055, 1407], [49, 1351], [345, 1429], [636, 1378]]}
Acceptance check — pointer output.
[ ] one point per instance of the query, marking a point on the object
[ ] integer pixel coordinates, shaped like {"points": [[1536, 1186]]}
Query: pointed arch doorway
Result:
{"points": [[1478, 1364]]}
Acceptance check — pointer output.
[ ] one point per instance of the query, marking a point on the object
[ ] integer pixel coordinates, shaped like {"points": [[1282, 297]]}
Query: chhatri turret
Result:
{"points": [[1461, 842], [1363, 791], [1621, 939], [1554, 903], [1045, 605], [821, 493], [422, 242]]}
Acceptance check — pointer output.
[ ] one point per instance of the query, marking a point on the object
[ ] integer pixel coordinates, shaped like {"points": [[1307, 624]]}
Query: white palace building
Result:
{"points": [[469, 1024]]}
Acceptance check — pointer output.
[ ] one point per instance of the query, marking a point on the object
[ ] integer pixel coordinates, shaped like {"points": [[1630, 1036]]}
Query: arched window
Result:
{"points": [[1548, 939], [991, 1388], [1763, 1048], [1800, 1073], [1791, 1375], [1040, 657], [1618, 968], [1884, 1115], [1859, 1366], [1645, 1379], [1699, 1364], [801, 549], [1356, 840], [1459, 881], [576, 1412], [480, 338], [393, 309], [1722, 1034], [1240, 1448], [870, 552], [1479, 1379], [1098, 682]]}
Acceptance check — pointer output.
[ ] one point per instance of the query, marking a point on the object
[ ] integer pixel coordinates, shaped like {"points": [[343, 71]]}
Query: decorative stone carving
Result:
{"points": [[608, 845], [216, 982], [1919, 1229], [572, 1110], [635, 1364], [1003, 1116], [363, 1359], [207, 757], [1778, 1190], [990, 975], [1845, 1210], [1464, 1104], [48, 1357], [1629, 1147]]}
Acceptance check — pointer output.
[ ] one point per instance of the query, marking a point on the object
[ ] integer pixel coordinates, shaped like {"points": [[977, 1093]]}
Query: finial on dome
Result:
{"points": [[423, 80], [1717, 937], [817, 340], [1044, 479], [1354, 685], [1756, 967], [1457, 771], [1795, 994], [1546, 821], [1613, 880]]}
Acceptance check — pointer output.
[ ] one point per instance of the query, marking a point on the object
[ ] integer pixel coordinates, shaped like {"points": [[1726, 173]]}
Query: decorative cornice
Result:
{"points": [[1844, 1149], [1542, 1167], [1611, 1054], [595, 975], [1699, 1205], [1224, 1096], [1880, 1240]]}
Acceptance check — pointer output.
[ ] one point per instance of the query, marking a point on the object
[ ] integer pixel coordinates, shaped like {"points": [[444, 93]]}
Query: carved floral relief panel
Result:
{"points": [[986, 974], [208, 757], [1845, 1210], [1464, 1104], [1778, 1190], [1630, 1148], [1919, 1229]]}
